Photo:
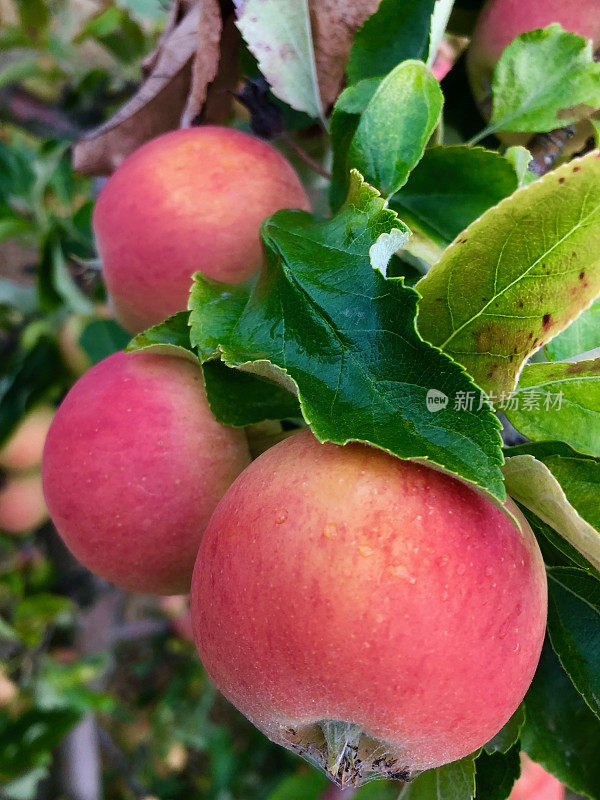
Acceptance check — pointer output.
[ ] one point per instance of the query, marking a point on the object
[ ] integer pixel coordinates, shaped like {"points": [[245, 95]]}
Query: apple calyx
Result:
{"points": [[348, 755]]}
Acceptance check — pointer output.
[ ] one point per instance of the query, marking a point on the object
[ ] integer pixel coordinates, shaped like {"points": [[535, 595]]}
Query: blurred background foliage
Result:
{"points": [[101, 693]]}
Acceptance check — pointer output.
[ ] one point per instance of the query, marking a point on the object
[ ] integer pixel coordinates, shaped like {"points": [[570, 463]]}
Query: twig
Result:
{"points": [[140, 629], [119, 761], [314, 165], [35, 115]]}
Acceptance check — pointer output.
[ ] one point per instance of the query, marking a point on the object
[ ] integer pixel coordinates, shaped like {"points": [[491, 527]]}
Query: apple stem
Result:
{"points": [[314, 165], [342, 739]]}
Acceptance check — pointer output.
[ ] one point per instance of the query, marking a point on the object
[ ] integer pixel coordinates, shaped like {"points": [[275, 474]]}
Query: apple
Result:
{"points": [[22, 505], [501, 21], [133, 467], [190, 200], [535, 783], [372, 614], [23, 450]]}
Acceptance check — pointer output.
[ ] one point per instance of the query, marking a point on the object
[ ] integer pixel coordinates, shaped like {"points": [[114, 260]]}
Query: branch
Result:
{"points": [[314, 165], [117, 757]]}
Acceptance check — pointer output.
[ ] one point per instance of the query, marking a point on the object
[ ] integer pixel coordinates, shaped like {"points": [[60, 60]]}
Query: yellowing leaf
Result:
{"points": [[517, 276], [532, 483]]}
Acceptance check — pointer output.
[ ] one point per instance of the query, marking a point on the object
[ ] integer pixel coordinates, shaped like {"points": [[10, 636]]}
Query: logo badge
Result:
{"points": [[435, 400]]}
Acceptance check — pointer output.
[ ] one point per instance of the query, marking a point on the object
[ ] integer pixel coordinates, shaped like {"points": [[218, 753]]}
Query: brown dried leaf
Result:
{"points": [[181, 68], [219, 96], [206, 60], [334, 23]]}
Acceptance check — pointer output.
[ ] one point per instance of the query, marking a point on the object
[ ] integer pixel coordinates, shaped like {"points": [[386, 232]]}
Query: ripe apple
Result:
{"points": [[501, 21], [23, 450], [22, 505], [190, 200], [133, 467], [535, 783], [372, 614]]}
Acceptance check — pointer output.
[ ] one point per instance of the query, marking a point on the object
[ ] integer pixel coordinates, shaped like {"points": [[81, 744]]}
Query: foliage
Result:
{"points": [[331, 334]]}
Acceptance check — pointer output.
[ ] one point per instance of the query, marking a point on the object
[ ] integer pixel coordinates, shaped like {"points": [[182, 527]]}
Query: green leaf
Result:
{"points": [[67, 686], [235, 398], [581, 336], [35, 613], [508, 735], [545, 79], [323, 322], [574, 628], [517, 276], [21, 70], [7, 632], [395, 126], [344, 122], [534, 484], [32, 376], [304, 786], [560, 732], [34, 16], [27, 742], [520, 158], [496, 773], [439, 23], [56, 284], [579, 479], [272, 27], [398, 31], [451, 187], [101, 338], [455, 781], [25, 787], [556, 550], [559, 401], [171, 337], [240, 398], [117, 31], [377, 790]]}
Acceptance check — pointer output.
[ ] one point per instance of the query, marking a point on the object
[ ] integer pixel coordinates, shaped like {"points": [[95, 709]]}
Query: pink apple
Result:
{"points": [[535, 783], [190, 200], [372, 614], [133, 467]]}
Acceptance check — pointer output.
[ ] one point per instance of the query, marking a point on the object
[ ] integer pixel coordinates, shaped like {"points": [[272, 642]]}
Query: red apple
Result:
{"points": [[190, 200], [369, 613], [535, 783], [133, 467]]}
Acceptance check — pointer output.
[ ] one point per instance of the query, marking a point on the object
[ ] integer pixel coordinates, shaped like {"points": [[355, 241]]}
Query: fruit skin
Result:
{"points": [[133, 467], [22, 504], [341, 583], [502, 20], [24, 448], [190, 200], [535, 783]]}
